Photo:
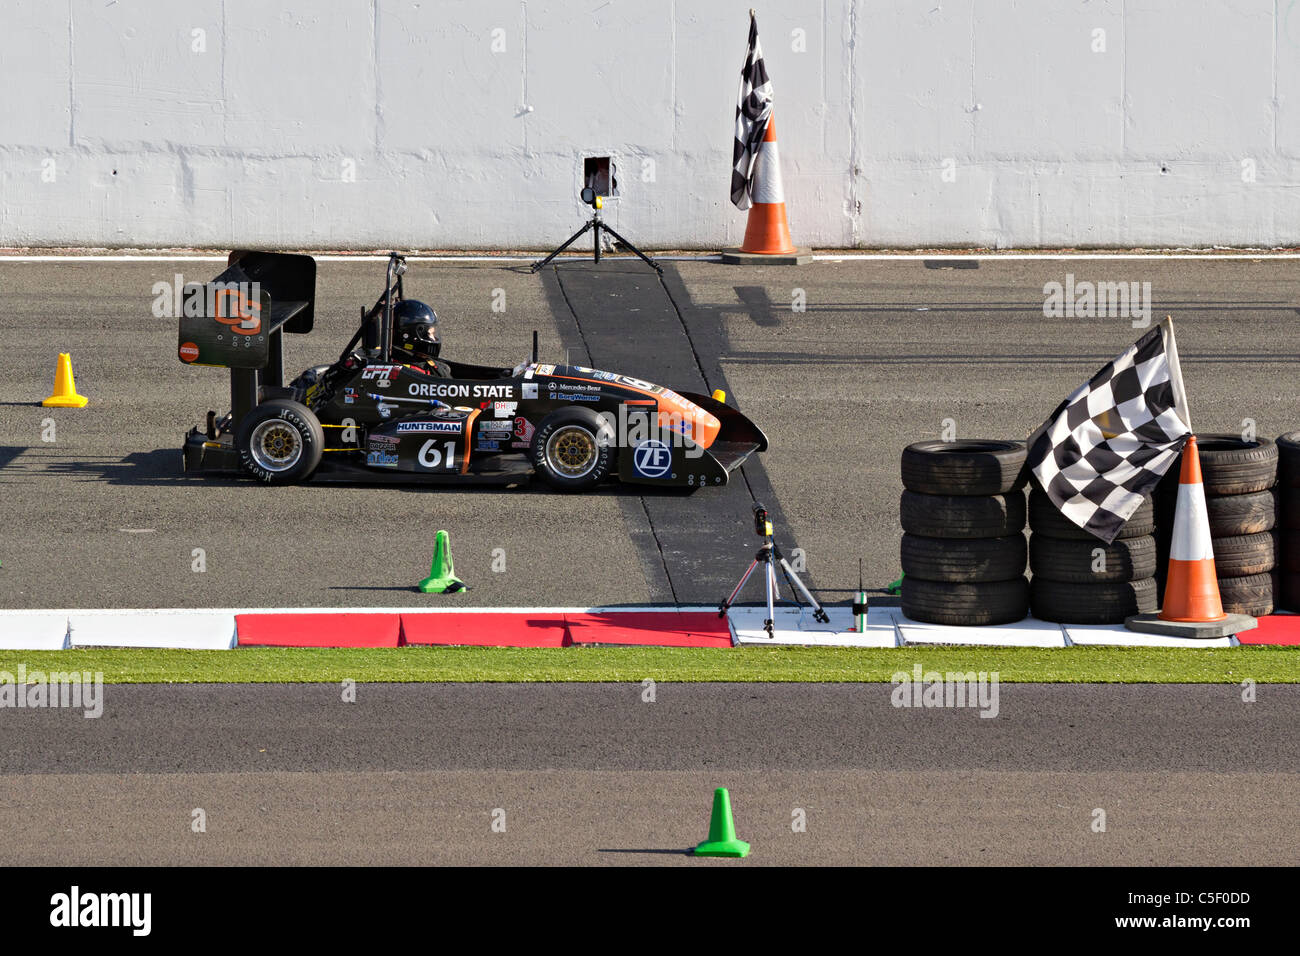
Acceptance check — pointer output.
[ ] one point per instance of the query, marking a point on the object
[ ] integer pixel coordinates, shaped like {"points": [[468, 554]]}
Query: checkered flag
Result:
{"points": [[1107, 445], [753, 110]]}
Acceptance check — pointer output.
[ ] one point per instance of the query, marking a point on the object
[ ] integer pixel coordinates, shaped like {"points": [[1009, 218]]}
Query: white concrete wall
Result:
{"points": [[377, 123]]}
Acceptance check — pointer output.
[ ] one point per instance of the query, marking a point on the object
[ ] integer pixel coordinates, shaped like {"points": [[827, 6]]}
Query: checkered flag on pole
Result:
{"points": [[1107, 445], [753, 110]]}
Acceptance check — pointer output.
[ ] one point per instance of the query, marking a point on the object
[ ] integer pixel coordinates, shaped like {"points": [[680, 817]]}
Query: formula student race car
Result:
{"points": [[391, 409]]}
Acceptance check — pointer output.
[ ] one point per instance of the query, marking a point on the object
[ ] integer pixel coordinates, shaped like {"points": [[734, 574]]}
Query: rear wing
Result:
{"points": [[235, 320]]}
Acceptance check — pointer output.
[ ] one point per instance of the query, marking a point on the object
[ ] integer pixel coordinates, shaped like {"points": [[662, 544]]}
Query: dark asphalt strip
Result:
{"points": [[794, 727], [622, 317]]}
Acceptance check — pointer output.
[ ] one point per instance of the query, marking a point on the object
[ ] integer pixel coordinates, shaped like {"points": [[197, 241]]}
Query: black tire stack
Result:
{"points": [[1242, 505], [963, 550], [1288, 491], [1078, 578]]}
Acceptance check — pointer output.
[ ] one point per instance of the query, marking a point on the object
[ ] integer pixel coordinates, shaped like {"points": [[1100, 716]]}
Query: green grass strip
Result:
{"points": [[793, 664]]}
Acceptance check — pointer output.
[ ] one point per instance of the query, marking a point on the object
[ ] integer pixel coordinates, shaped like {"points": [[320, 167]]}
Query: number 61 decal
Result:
{"points": [[432, 457]]}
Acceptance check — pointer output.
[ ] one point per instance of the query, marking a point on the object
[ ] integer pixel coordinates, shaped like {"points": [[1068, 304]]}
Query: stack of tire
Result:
{"points": [[1078, 578], [1242, 505], [963, 515], [1288, 488]]}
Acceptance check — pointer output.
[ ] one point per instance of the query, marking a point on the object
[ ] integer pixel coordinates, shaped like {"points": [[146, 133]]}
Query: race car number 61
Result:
{"points": [[431, 457]]}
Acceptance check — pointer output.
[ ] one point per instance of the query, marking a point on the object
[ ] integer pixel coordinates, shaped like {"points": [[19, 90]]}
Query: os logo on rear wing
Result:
{"points": [[224, 324], [235, 304]]}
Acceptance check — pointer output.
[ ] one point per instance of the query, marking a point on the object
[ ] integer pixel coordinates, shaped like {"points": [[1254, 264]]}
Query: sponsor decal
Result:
{"points": [[652, 459], [546, 370], [638, 383], [488, 445], [504, 409], [381, 459], [349, 396], [597, 373], [188, 351], [380, 372], [524, 430], [529, 390], [443, 428], [384, 442], [567, 397], [446, 390], [685, 403], [565, 387]]}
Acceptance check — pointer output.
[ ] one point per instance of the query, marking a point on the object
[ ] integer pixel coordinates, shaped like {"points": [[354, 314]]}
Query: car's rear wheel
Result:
{"points": [[573, 449], [280, 441]]}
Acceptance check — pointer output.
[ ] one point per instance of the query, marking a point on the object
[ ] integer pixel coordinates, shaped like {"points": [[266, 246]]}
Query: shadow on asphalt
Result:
{"points": [[159, 467], [667, 852], [163, 467]]}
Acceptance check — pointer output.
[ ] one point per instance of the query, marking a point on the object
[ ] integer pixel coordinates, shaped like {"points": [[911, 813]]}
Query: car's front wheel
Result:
{"points": [[573, 449], [280, 441]]}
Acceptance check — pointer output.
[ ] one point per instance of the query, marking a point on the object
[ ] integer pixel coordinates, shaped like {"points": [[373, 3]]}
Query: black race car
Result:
{"points": [[392, 409]]}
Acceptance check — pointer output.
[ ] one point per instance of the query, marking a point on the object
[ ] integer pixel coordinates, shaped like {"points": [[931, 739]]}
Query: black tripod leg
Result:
{"points": [[568, 242], [644, 258]]}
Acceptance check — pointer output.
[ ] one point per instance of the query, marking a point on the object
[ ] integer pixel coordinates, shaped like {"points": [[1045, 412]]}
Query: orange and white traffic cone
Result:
{"points": [[1192, 591], [767, 231]]}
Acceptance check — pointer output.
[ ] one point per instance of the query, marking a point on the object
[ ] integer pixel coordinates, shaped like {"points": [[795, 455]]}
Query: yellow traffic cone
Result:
{"points": [[65, 389]]}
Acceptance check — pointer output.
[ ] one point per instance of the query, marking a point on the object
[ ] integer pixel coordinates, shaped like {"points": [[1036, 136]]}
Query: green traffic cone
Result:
{"points": [[722, 830], [442, 575]]}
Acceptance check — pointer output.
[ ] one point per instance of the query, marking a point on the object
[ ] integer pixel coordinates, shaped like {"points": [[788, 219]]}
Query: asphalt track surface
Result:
{"points": [[593, 774], [884, 354]]}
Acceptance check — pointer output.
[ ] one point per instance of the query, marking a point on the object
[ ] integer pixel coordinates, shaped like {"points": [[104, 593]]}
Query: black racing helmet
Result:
{"points": [[415, 330]]}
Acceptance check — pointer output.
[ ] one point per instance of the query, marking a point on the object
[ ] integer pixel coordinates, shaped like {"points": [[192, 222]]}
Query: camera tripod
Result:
{"points": [[598, 224], [770, 556]]}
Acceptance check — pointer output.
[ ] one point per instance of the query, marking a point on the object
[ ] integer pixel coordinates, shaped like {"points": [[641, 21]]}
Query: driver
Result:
{"points": [[415, 338]]}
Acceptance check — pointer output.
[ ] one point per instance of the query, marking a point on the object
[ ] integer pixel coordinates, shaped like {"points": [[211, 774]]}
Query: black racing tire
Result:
{"points": [[1046, 518], [1068, 560], [280, 442], [1242, 514], [1287, 597], [1107, 603], [574, 449], [974, 605], [1288, 459], [1230, 465], [962, 516], [970, 467], [1289, 509], [1244, 554], [1252, 594], [963, 560]]}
